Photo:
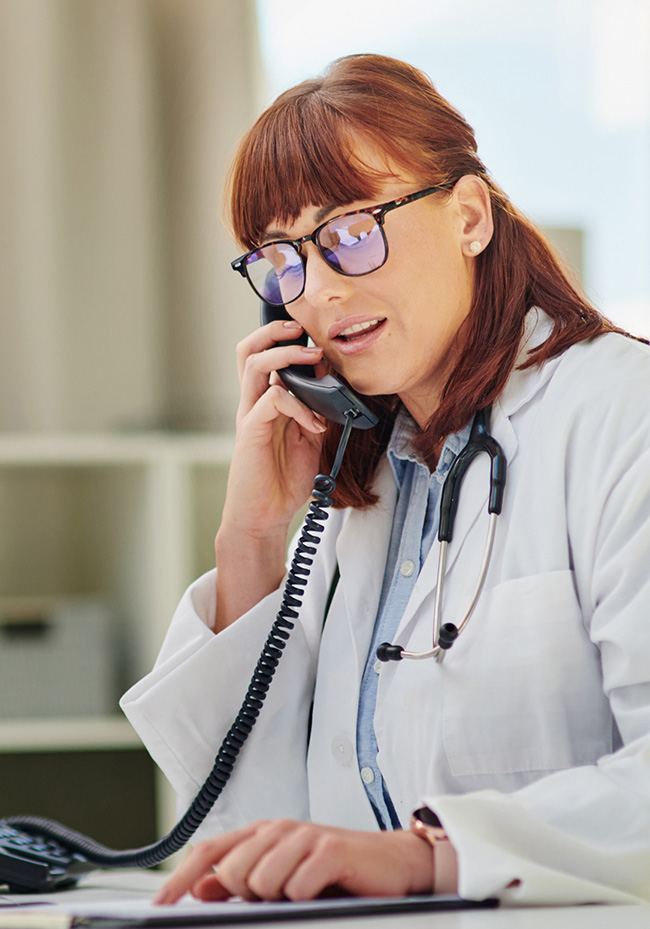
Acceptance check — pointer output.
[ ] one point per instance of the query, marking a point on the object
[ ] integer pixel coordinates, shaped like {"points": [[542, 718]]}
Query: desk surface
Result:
{"points": [[137, 888]]}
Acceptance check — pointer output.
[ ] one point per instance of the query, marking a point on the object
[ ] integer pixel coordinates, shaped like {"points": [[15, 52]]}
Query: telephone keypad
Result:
{"points": [[36, 864]]}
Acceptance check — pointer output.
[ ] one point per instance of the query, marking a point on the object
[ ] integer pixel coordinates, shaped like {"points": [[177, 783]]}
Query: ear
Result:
{"points": [[474, 211]]}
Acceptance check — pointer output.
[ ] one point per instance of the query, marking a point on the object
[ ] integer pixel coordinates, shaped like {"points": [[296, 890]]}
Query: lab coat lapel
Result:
{"points": [[363, 543], [361, 550], [521, 387]]}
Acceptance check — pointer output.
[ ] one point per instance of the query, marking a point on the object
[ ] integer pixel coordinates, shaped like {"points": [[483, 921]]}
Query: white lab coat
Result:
{"points": [[531, 741]]}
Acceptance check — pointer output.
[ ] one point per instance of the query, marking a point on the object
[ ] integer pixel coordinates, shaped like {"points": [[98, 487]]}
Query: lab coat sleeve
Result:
{"points": [[583, 834], [185, 706]]}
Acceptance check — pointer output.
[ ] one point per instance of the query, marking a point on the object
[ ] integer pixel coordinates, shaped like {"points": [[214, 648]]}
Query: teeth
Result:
{"points": [[359, 327]]}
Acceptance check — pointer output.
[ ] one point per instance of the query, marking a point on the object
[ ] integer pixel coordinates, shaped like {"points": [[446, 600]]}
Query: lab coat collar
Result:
{"points": [[522, 386]]}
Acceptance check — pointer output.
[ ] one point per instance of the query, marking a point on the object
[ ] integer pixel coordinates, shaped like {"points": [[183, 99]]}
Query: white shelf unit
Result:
{"points": [[75, 733], [129, 518]]}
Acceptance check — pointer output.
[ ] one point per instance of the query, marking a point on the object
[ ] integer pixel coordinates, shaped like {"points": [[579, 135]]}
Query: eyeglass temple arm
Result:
{"points": [[379, 212]]}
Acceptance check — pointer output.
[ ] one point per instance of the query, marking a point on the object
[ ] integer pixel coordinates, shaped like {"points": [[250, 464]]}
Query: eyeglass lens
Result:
{"points": [[353, 245]]}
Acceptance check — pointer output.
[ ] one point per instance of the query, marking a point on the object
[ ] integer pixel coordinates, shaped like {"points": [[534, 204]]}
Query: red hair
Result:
{"points": [[301, 152]]}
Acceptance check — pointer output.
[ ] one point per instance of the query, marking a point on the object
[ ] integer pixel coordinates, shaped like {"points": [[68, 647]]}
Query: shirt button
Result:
{"points": [[407, 568], [367, 776], [343, 751], [378, 665]]}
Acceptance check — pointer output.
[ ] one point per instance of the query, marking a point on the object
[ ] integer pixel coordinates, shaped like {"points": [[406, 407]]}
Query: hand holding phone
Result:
{"points": [[276, 456], [324, 395]]}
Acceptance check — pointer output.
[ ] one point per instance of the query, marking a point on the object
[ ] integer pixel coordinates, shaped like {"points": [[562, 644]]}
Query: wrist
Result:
{"points": [[234, 544], [426, 825], [248, 569]]}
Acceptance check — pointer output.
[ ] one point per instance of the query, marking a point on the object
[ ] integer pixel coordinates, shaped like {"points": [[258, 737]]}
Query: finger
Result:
{"points": [[198, 864], [324, 866], [259, 367], [210, 888], [277, 401], [320, 370], [268, 877], [265, 337], [236, 867]]}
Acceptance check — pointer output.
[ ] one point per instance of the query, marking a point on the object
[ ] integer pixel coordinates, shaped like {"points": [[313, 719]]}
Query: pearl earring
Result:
{"points": [[475, 247]]}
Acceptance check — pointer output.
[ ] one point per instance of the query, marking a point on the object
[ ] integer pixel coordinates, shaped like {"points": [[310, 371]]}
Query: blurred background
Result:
{"points": [[119, 312], [119, 118]]}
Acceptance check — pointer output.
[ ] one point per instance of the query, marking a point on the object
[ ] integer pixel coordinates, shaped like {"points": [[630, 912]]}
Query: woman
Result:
{"points": [[530, 742]]}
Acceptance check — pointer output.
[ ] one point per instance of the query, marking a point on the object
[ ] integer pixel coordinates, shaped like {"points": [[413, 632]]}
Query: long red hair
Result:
{"points": [[301, 152]]}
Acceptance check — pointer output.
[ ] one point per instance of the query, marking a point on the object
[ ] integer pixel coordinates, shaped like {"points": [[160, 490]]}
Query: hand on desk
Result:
{"points": [[298, 861]]}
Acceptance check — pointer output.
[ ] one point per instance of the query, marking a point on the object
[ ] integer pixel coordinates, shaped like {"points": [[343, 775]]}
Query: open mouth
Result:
{"points": [[360, 329]]}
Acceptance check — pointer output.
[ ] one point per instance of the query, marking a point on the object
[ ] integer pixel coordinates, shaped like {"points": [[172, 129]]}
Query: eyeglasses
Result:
{"points": [[352, 244]]}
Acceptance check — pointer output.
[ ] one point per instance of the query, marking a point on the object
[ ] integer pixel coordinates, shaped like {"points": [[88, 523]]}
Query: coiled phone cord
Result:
{"points": [[150, 855]]}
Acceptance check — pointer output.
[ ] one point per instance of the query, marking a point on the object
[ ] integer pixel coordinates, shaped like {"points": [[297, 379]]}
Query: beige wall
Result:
{"points": [[118, 119]]}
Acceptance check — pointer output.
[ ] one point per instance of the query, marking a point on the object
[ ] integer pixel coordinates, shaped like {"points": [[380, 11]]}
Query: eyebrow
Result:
{"points": [[271, 234]]}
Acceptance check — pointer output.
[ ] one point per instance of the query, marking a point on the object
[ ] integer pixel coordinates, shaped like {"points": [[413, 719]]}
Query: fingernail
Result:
{"points": [[291, 324], [312, 349], [321, 427], [159, 897]]}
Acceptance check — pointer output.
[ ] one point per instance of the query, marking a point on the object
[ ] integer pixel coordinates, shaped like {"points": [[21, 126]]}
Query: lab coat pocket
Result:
{"points": [[523, 692]]}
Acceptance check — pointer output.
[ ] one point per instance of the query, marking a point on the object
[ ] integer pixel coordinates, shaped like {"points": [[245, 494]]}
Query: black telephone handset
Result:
{"points": [[325, 395]]}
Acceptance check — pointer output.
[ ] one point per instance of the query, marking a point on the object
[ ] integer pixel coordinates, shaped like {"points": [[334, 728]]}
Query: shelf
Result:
{"points": [[79, 449], [127, 520], [67, 735]]}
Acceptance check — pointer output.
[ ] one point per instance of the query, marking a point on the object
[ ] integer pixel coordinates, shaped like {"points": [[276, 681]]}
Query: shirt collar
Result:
{"points": [[401, 454]]}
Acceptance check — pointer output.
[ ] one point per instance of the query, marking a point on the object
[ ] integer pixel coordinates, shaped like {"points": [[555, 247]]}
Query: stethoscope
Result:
{"points": [[479, 441]]}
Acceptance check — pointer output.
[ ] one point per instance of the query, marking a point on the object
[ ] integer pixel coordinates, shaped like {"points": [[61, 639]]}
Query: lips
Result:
{"points": [[349, 330], [355, 335]]}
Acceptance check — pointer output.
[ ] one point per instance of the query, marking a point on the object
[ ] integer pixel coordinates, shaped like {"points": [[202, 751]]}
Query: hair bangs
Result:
{"points": [[300, 154]]}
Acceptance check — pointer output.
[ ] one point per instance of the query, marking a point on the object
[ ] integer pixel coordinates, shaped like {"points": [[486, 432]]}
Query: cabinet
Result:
{"points": [[125, 521]]}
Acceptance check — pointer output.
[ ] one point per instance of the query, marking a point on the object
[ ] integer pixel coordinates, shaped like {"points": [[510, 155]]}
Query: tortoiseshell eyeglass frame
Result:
{"points": [[377, 212]]}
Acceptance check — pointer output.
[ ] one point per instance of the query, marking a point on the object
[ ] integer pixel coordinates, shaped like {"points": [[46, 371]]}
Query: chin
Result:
{"points": [[368, 388], [368, 383]]}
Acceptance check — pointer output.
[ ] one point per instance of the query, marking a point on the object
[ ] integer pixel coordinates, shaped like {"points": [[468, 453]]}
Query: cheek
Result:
{"points": [[447, 288], [303, 314]]}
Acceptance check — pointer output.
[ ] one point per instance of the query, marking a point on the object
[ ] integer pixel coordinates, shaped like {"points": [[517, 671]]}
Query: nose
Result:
{"points": [[323, 285]]}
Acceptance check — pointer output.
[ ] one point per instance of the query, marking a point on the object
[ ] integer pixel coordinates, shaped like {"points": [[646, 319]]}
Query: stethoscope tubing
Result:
{"points": [[438, 652], [479, 441]]}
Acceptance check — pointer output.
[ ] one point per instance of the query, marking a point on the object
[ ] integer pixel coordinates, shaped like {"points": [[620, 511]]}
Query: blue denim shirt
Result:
{"points": [[415, 523]]}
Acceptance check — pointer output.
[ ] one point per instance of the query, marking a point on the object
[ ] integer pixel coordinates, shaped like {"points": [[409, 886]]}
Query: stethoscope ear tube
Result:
{"points": [[444, 635]]}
